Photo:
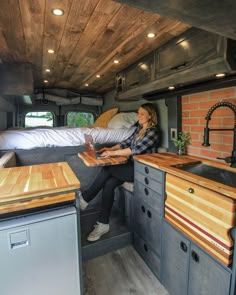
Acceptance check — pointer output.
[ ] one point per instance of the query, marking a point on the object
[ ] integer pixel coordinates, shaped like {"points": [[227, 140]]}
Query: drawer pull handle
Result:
{"points": [[149, 214], [146, 170], [195, 256], [145, 247], [143, 209], [146, 191], [146, 180], [183, 246], [191, 190]]}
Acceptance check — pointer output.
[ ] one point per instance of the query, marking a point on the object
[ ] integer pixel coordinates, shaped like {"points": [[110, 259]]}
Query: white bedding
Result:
{"points": [[61, 136]]}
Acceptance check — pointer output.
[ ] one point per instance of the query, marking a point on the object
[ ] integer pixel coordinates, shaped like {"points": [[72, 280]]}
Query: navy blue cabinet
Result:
{"points": [[187, 269], [148, 207]]}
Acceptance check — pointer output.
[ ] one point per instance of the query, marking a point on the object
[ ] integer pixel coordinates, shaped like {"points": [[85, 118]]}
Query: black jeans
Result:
{"points": [[109, 178]]}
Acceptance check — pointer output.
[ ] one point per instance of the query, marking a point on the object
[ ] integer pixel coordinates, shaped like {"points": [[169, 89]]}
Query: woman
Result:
{"points": [[142, 141]]}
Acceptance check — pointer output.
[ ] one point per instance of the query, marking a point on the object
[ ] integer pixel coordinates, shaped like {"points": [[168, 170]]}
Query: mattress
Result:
{"points": [[60, 137]]}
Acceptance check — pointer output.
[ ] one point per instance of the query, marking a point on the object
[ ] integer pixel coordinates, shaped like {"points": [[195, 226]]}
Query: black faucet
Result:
{"points": [[207, 130]]}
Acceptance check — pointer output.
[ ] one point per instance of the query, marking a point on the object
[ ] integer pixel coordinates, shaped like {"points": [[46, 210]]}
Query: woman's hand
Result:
{"points": [[103, 150], [118, 152], [107, 153], [113, 148]]}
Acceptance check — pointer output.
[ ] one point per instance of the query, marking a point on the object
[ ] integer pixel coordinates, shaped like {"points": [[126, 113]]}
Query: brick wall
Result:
{"points": [[194, 110]]}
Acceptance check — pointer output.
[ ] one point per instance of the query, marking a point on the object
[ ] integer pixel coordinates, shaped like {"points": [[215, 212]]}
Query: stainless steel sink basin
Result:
{"points": [[210, 172]]}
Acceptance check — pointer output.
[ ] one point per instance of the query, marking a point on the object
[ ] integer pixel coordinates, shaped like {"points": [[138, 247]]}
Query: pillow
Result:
{"points": [[104, 118], [123, 120]]}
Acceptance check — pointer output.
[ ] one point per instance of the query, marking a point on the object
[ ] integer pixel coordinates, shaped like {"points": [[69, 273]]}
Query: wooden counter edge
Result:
{"points": [[160, 161]]}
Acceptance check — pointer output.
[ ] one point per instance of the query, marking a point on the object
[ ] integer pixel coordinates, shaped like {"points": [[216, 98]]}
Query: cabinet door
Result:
{"points": [[150, 197], [175, 260], [147, 224], [196, 47], [140, 72], [148, 255], [206, 276]]}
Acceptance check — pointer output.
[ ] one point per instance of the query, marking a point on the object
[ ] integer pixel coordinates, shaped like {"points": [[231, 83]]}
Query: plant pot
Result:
{"points": [[181, 151]]}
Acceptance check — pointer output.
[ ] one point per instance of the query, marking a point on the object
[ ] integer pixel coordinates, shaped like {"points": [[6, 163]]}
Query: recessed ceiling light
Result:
{"points": [[58, 12], [220, 75], [47, 70], [45, 81], [143, 66], [116, 61], [151, 35], [86, 84], [51, 51], [98, 76], [171, 87]]}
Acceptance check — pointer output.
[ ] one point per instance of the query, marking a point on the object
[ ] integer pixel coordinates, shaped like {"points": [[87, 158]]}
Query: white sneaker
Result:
{"points": [[99, 230], [82, 203]]}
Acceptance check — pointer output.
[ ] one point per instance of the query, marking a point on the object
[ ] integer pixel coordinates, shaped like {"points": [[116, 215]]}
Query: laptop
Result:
{"points": [[90, 147]]}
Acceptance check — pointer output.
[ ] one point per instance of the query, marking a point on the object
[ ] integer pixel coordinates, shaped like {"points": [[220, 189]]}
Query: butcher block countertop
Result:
{"points": [[33, 186], [164, 162]]}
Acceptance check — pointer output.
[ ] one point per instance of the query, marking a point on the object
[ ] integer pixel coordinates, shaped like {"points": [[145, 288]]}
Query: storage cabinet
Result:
{"points": [[148, 207], [192, 57], [136, 75], [184, 231], [194, 47], [203, 215], [140, 73], [186, 269]]}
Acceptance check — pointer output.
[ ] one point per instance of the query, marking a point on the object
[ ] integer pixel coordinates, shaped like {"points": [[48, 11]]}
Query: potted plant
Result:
{"points": [[183, 139]]}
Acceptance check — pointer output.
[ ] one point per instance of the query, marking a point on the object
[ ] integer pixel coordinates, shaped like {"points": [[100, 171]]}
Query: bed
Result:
{"points": [[60, 137], [110, 127]]}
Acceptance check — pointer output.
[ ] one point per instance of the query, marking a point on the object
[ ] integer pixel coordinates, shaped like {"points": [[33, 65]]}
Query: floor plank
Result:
{"points": [[121, 272]]}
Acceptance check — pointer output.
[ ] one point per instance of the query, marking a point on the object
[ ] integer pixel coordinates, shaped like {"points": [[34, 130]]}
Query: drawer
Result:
{"points": [[146, 252], [147, 224], [150, 183], [204, 215], [151, 172], [149, 196]]}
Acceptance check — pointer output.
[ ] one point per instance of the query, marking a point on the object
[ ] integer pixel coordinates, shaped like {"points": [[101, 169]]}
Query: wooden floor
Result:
{"points": [[119, 273]]}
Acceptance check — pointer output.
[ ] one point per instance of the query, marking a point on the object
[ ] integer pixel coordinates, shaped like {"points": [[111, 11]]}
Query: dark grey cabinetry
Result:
{"points": [[147, 206], [186, 269], [140, 73], [194, 47], [136, 75], [193, 57]]}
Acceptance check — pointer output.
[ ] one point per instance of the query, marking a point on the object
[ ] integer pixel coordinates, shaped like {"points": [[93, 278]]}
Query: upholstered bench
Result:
{"points": [[8, 160]]}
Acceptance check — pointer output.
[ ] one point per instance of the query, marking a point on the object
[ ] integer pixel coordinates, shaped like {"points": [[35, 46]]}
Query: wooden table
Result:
{"points": [[91, 161], [33, 186]]}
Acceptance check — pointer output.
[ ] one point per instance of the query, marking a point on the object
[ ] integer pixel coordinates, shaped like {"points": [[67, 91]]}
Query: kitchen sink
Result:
{"points": [[210, 172]]}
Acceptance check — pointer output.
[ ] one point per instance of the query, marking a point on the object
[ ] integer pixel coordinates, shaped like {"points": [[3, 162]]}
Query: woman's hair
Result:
{"points": [[150, 108]]}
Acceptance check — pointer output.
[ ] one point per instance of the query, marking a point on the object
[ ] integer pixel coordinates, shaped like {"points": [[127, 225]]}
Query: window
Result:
{"points": [[36, 119], [79, 119]]}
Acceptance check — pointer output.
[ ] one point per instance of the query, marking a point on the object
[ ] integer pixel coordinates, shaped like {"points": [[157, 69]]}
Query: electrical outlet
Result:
{"points": [[173, 133]]}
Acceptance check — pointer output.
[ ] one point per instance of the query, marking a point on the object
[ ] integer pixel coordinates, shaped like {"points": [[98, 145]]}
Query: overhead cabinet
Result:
{"points": [[193, 48], [140, 73], [136, 75], [194, 56], [197, 54]]}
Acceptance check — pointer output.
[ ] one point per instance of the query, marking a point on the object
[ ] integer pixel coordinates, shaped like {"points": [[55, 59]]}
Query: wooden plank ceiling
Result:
{"points": [[86, 40]]}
